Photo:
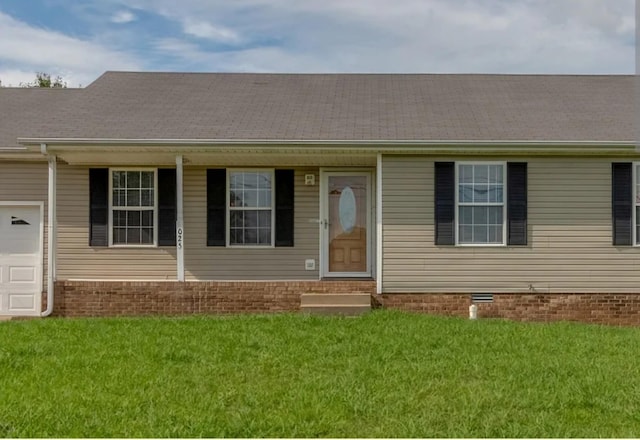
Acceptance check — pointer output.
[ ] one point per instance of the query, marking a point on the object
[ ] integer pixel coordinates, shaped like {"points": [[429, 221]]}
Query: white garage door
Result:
{"points": [[20, 260]]}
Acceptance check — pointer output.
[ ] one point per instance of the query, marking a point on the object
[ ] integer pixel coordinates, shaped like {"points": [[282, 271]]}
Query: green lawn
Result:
{"points": [[386, 374]]}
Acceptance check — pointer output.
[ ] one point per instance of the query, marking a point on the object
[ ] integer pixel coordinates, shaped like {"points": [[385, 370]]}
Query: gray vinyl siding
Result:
{"points": [[569, 235], [204, 262], [27, 182], [78, 260]]}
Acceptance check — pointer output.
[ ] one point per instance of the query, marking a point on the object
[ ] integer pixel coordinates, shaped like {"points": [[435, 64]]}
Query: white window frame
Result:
{"points": [[154, 209], [504, 204], [272, 174], [635, 203]]}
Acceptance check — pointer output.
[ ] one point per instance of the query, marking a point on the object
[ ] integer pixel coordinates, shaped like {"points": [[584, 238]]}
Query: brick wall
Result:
{"points": [[119, 298], [616, 309]]}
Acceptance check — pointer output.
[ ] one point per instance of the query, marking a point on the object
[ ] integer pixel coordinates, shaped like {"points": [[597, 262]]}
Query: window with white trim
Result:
{"points": [[480, 203], [133, 207], [250, 207]]}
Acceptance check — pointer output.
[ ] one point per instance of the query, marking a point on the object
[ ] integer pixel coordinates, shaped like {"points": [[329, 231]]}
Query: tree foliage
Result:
{"points": [[44, 80]]}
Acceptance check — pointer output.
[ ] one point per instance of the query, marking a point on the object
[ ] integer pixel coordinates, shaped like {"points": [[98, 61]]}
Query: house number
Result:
{"points": [[179, 238]]}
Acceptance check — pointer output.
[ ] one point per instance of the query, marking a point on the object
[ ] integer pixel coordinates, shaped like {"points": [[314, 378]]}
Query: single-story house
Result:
{"points": [[170, 193]]}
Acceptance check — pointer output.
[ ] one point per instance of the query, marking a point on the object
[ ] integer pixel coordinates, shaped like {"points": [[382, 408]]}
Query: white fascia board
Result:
{"points": [[181, 146]]}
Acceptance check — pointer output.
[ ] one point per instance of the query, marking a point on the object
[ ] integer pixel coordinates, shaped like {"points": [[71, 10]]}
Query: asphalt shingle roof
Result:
{"points": [[244, 106], [30, 112]]}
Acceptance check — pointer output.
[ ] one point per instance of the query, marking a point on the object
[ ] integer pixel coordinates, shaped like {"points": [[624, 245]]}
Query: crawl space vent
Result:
{"points": [[481, 298]]}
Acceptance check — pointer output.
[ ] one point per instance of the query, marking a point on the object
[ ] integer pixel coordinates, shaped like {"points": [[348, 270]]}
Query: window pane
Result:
{"points": [[466, 173], [265, 236], [480, 234], [236, 219], [134, 218], [495, 174], [250, 198], [235, 198], [466, 234], [481, 174], [118, 179], [147, 180], [119, 235], [133, 236], [119, 218], [133, 197], [466, 215], [147, 218], [495, 193], [250, 181], [133, 179], [251, 236], [235, 237], [147, 236], [118, 197], [250, 219], [264, 198], [147, 197], [480, 193], [495, 234], [264, 219], [480, 215], [235, 180], [465, 193], [495, 215], [264, 181]]}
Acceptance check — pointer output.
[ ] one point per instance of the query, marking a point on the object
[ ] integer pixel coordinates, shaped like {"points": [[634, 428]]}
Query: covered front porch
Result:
{"points": [[334, 230]]}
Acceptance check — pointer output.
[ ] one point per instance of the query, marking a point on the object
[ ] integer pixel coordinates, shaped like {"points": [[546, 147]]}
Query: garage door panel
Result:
{"points": [[20, 260], [20, 230], [22, 274], [22, 303]]}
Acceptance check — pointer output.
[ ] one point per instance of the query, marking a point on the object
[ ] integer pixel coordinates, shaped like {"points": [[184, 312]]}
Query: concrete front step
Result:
{"points": [[335, 303]]}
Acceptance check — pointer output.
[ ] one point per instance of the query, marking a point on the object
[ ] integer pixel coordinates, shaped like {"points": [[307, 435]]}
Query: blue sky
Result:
{"points": [[80, 39]]}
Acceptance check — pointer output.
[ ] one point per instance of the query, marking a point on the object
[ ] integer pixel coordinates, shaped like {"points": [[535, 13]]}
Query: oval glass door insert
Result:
{"points": [[347, 209]]}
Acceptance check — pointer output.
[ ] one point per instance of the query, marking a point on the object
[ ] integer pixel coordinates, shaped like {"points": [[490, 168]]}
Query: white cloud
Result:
{"points": [[123, 17], [493, 36], [510, 36], [24, 47], [15, 77], [203, 29]]}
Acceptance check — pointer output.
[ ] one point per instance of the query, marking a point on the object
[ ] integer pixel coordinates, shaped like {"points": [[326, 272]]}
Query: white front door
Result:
{"points": [[20, 259], [346, 223]]}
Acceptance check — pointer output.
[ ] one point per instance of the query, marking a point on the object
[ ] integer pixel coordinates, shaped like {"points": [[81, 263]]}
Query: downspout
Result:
{"points": [[51, 230]]}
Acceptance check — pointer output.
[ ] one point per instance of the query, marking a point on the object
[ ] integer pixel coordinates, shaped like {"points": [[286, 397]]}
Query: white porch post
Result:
{"points": [[51, 231], [379, 224], [179, 219]]}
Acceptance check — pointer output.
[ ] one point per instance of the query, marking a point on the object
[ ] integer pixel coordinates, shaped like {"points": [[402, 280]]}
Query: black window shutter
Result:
{"points": [[445, 191], [284, 207], [98, 207], [516, 203], [216, 207], [622, 203], [167, 207]]}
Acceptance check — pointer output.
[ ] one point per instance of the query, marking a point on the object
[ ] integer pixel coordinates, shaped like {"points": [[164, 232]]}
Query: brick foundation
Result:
{"points": [[120, 298], [612, 309]]}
